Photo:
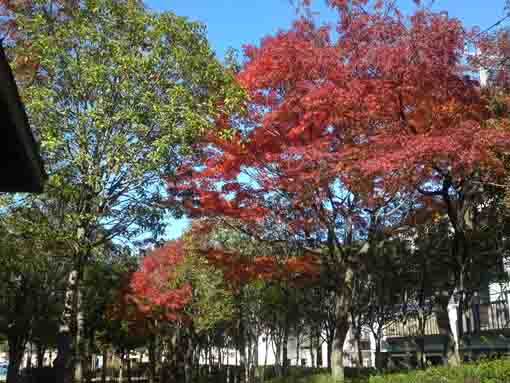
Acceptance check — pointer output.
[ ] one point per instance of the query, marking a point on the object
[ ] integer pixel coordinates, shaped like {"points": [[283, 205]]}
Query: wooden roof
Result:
{"points": [[21, 167]]}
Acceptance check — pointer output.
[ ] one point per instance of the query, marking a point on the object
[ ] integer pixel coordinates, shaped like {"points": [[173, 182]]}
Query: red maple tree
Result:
{"points": [[154, 286], [342, 122]]}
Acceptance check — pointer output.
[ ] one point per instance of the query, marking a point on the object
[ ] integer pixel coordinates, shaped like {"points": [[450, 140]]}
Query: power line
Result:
{"points": [[497, 23], [492, 26]]}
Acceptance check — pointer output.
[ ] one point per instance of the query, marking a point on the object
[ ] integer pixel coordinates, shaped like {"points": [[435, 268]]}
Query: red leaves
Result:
{"points": [[338, 126], [153, 285], [239, 270]]}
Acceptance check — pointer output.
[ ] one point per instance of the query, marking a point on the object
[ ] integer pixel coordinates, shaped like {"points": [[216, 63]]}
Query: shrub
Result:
{"points": [[484, 371]]}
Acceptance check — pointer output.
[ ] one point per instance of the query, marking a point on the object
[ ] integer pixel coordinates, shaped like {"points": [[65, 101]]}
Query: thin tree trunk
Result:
{"points": [[298, 346], [242, 347], [188, 357], [209, 357], [278, 356], [121, 368], [285, 350], [152, 359], [460, 318], [330, 352], [128, 369], [317, 345], [66, 350], [28, 365], [243, 361], [378, 361], [312, 354], [450, 351], [266, 352], [249, 361], [89, 357], [40, 355], [80, 359], [104, 367], [16, 349], [420, 351], [256, 355], [359, 357]]}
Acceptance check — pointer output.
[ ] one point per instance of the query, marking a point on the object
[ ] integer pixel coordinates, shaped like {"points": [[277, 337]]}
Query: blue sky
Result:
{"points": [[233, 23]]}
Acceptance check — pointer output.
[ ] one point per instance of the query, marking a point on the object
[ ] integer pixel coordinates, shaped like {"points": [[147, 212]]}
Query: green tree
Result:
{"points": [[118, 95], [31, 280]]}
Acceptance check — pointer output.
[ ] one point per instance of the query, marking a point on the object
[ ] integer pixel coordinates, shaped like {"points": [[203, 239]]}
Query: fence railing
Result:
{"points": [[486, 317], [410, 327], [475, 318]]}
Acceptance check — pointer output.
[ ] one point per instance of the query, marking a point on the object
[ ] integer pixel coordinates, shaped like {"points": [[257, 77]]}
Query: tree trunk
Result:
{"points": [[420, 351], [188, 357], [242, 347], [360, 354], [330, 352], [153, 370], [255, 356], [28, 362], [278, 356], [121, 367], [104, 367], [89, 358], [266, 351], [450, 350], [337, 356], [285, 350], [66, 350], [128, 365], [40, 355], [243, 362], [80, 358], [318, 354], [298, 346], [249, 358], [16, 349], [312, 354], [358, 360], [318, 347], [343, 300], [378, 360]]}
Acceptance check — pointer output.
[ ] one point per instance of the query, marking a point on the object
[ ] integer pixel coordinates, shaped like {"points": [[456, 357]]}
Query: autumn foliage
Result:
{"points": [[154, 286], [386, 105], [239, 270], [345, 124]]}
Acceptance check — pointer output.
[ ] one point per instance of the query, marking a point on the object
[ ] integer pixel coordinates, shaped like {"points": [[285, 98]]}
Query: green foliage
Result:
{"points": [[212, 301], [117, 97], [485, 371], [321, 375], [320, 378], [31, 278]]}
